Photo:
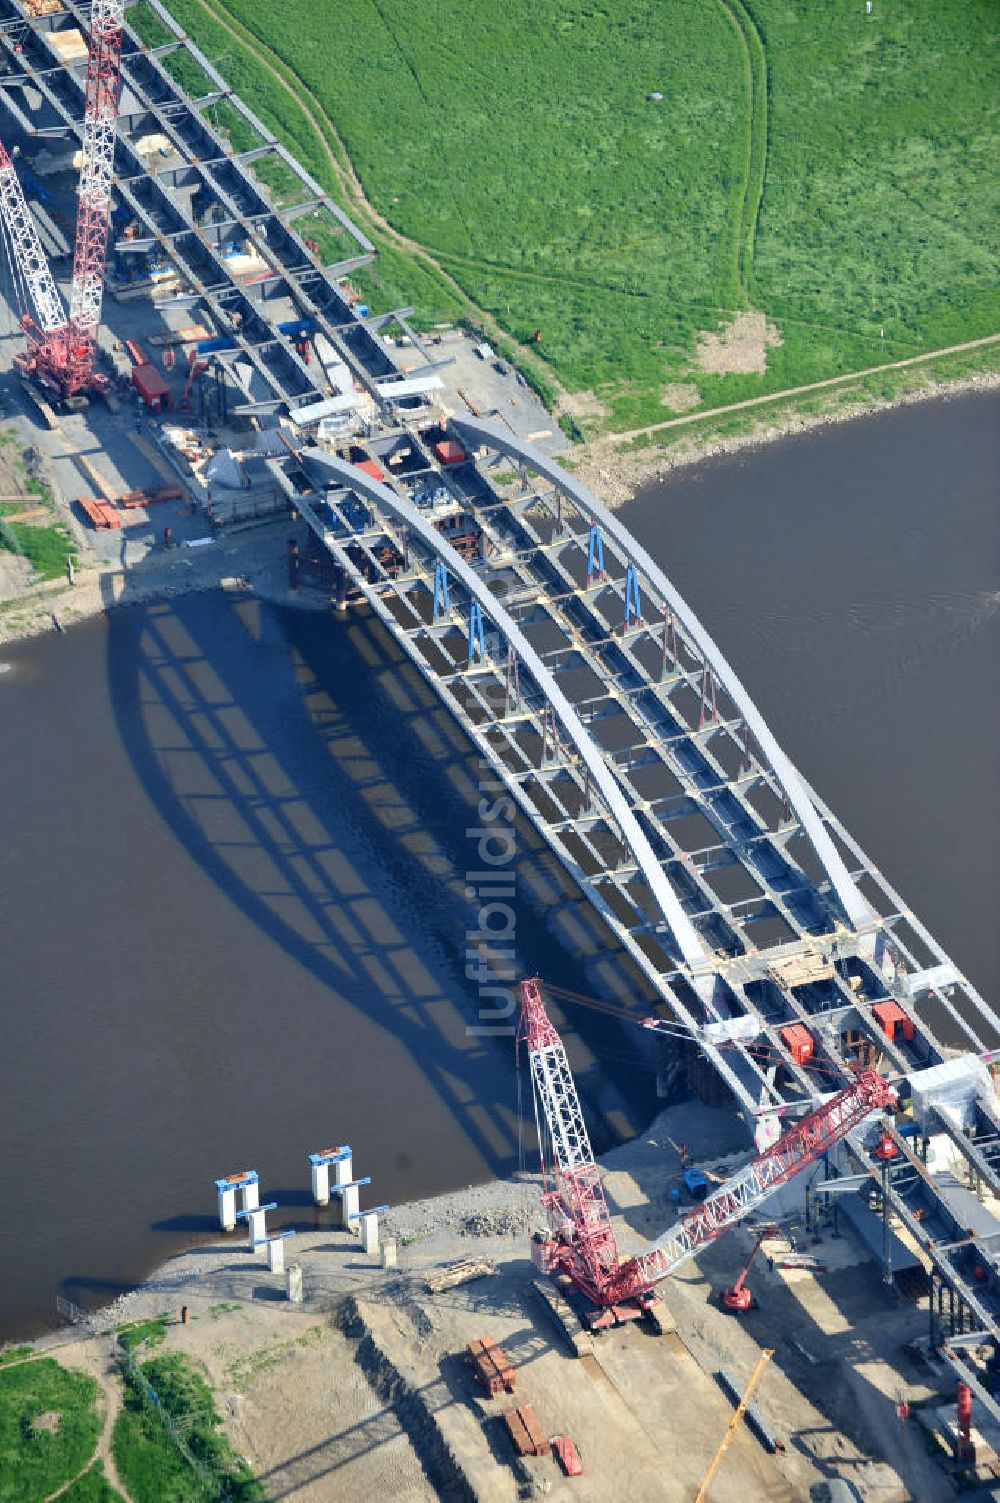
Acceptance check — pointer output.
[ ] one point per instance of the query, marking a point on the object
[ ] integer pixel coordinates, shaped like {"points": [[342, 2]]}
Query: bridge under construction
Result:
{"points": [[588, 684], [777, 951]]}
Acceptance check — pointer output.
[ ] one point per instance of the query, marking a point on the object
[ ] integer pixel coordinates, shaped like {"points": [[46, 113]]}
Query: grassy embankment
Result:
{"points": [[46, 545], [49, 1428], [150, 1463], [833, 170]]}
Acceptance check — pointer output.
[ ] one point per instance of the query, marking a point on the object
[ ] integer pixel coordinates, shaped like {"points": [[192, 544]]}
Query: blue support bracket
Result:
{"points": [[595, 554], [236, 1181], [331, 1155], [477, 640], [272, 1205], [441, 601], [351, 1185], [372, 1211], [633, 604]]}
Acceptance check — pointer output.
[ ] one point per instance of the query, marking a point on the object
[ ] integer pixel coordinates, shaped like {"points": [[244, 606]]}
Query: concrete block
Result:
{"points": [[389, 1259], [276, 1255], [293, 1283]]}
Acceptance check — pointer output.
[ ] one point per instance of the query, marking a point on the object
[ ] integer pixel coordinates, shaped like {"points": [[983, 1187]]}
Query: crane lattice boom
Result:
{"points": [[93, 219], [573, 1194], [574, 1197], [26, 249]]}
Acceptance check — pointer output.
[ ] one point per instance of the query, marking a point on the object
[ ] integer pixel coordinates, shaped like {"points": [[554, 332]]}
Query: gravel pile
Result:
{"points": [[507, 1222]]}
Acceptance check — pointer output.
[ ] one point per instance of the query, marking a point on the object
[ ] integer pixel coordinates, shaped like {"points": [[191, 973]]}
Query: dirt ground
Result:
{"points": [[365, 1385], [738, 349]]}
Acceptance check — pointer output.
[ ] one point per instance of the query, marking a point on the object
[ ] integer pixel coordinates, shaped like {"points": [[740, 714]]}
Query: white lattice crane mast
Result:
{"points": [[574, 1197], [93, 218]]}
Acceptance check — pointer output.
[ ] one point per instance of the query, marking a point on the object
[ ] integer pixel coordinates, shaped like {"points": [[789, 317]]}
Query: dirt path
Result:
{"points": [[96, 1357], [610, 440], [349, 181]]}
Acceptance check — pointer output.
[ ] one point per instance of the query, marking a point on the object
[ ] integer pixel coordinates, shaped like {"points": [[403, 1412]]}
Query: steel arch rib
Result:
{"points": [[855, 905], [689, 941]]}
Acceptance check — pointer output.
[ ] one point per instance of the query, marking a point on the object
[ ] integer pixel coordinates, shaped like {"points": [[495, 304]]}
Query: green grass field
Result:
{"points": [[36, 1459], [832, 170]]}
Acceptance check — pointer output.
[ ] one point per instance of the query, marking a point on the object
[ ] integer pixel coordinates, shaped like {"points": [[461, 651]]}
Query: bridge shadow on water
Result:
{"points": [[321, 786]]}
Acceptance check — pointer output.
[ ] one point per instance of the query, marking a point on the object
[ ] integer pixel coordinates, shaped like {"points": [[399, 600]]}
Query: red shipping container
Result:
{"points": [[799, 1042], [448, 452], [151, 387], [891, 1015]]}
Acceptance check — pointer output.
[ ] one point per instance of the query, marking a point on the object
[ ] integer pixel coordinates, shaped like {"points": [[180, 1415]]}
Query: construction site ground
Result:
{"points": [[365, 1383]]}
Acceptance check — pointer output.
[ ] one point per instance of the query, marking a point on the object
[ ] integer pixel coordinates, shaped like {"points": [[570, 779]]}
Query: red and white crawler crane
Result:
{"points": [[583, 1242], [62, 348]]}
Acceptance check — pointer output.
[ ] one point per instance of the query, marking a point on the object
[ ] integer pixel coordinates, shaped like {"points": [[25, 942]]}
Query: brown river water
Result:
{"points": [[234, 850]]}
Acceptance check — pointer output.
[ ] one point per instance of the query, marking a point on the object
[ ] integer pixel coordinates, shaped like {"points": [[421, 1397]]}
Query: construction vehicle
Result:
{"points": [[581, 1240], [739, 1296], [62, 347]]}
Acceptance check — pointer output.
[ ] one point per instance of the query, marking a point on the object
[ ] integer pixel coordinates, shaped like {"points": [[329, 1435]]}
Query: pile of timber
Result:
{"points": [[462, 1271]]}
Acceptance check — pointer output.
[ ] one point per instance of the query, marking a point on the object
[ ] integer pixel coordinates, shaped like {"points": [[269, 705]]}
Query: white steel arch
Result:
{"points": [[325, 468], [855, 905]]}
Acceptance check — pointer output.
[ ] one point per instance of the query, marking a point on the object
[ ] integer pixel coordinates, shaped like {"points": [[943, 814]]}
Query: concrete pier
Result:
{"points": [[276, 1251], [246, 1187], [366, 1222], [347, 1193], [340, 1160], [369, 1233], [389, 1257], [349, 1205], [293, 1283], [256, 1217]]}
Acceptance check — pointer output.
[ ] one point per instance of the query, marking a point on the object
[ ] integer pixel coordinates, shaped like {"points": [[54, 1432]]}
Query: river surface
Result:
{"points": [[234, 850]]}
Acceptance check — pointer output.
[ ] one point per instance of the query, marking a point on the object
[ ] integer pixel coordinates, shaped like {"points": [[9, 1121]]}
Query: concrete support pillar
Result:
{"points": [[349, 1206], [251, 1195], [369, 1233], [320, 1183], [255, 1227], [389, 1259], [344, 1171], [293, 1283], [227, 1208], [276, 1255]]}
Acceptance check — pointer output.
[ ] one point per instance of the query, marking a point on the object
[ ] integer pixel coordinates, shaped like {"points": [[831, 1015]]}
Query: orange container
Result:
{"points": [[799, 1042]]}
